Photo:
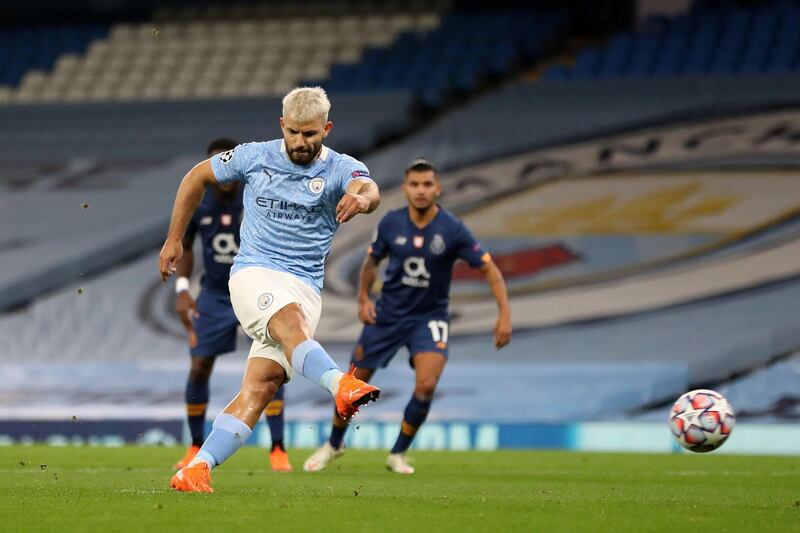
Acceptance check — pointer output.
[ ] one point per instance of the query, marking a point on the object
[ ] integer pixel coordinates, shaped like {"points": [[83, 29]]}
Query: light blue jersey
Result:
{"points": [[289, 210]]}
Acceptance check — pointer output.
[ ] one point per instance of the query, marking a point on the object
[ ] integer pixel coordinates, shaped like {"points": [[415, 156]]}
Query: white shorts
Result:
{"points": [[257, 294]]}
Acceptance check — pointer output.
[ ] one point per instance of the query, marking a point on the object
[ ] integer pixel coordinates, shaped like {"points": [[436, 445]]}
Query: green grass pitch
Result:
{"points": [[126, 489]]}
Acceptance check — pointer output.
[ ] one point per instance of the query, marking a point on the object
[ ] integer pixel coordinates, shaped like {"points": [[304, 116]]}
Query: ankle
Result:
{"points": [[198, 460], [330, 380]]}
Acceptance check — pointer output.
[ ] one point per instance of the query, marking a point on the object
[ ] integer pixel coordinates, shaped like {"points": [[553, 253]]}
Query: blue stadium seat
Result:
{"points": [[38, 48], [708, 40], [431, 98], [467, 47], [556, 73]]}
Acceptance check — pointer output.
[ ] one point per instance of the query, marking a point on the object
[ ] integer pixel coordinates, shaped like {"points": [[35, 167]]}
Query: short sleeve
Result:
{"points": [[379, 247], [470, 250], [231, 165], [353, 169]]}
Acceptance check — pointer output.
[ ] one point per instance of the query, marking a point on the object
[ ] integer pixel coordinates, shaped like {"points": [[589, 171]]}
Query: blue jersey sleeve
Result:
{"points": [[231, 165], [379, 248], [470, 250], [352, 169]]}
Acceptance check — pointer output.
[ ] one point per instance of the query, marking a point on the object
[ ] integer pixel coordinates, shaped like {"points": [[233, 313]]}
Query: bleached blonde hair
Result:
{"points": [[306, 104]]}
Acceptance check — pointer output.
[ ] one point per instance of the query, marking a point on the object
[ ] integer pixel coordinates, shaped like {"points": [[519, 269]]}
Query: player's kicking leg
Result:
{"points": [[197, 393], [278, 458], [334, 446], [290, 330], [309, 358], [428, 367]]}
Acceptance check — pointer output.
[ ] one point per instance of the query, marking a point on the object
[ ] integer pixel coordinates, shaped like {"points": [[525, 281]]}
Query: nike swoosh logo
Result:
{"points": [[353, 392]]}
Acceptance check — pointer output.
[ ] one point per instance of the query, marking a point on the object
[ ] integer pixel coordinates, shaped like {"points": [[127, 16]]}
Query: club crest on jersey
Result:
{"points": [[419, 240], [316, 185], [265, 300], [437, 244], [227, 219], [224, 157]]}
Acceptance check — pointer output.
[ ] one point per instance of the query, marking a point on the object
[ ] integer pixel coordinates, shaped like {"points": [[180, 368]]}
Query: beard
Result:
{"points": [[305, 156], [422, 208]]}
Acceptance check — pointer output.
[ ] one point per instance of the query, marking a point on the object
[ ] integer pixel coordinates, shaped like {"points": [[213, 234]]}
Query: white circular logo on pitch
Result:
{"points": [[316, 185], [265, 300]]}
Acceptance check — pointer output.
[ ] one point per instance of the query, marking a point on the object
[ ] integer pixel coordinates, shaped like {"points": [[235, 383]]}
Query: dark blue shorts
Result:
{"points": [[216, 326], [379, 343]]}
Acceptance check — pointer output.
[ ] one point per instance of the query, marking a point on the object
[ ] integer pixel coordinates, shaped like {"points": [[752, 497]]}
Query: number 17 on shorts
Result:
{"points": [[439, 332]]}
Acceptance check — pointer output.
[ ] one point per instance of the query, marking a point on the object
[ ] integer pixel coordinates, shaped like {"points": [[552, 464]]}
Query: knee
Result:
{"points": [[288, 326], [264, 389], [260, 393], [200, 372], [425, 388]]}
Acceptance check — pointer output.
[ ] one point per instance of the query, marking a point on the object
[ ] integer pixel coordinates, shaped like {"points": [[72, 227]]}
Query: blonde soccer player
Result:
{"points": [[297, 192]]}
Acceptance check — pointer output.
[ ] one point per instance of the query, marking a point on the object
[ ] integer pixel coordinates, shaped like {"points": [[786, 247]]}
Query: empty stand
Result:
{"points": [[28, 53], [467, 48], [204, 53], [707, 41], [219, 52]]}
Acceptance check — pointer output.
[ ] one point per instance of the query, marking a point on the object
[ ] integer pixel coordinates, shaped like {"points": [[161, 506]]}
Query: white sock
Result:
{"points": [[330, 380]]}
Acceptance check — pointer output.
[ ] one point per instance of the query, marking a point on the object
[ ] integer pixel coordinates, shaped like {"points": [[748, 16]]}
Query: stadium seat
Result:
{"points": [[467, 48], [707, 41], [212, 45]]}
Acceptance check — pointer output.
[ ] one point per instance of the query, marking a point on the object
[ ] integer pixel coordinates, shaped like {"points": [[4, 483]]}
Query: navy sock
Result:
{"points": [[196, 403], [415, 414], [337, 433], [274, 415]]}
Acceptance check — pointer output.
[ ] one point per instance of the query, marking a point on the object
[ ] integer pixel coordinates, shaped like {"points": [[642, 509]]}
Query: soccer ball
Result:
{"points": [[701, 420]]}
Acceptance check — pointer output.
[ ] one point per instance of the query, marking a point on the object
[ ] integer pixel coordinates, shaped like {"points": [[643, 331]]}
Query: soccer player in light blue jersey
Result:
{"points": [[210, 321], [296, 193]]}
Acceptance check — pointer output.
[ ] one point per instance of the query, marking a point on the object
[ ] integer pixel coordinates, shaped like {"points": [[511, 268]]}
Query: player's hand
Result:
{"points": [[350, 205], [185, 307], [366, 312], [168, 259], [502, 331]]}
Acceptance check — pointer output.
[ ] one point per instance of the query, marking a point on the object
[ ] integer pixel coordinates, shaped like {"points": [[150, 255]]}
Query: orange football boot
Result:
{"points": [[279, 460], [353, 393], [195, 478], [187, 457]]}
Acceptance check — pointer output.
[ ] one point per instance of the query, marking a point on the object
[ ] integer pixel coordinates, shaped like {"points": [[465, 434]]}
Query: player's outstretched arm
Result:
{"points": [[361, 196], [190, 193], [502, 329], [369, 272]]}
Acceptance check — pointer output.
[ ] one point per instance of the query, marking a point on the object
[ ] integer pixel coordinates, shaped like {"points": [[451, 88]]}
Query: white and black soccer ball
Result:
{"points": [[701, 420]]}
